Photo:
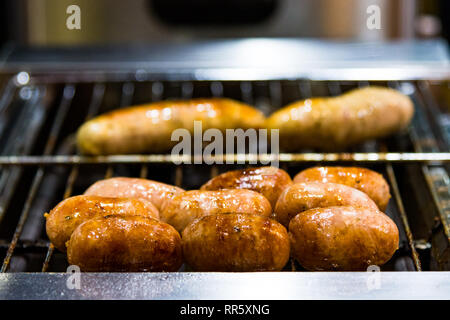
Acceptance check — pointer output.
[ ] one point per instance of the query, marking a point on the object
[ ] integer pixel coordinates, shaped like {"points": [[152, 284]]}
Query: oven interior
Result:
{"points": [[39, 114]]}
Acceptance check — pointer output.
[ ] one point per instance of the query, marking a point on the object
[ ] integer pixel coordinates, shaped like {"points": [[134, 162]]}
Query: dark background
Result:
{"points": [[209, 14], [3, 22]]}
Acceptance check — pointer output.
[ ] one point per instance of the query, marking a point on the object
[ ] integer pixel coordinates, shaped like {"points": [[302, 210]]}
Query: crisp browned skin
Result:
{"points": [[71, 212], [155, 192], [194, 204], [148, 128], [236, 242], [269, 181], [342, 238], [125, 243], [308, 195], [338, 122], [370, 182]]}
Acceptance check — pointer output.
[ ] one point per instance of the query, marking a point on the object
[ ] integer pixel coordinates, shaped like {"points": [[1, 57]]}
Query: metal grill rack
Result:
{"points": [[40, 167]]}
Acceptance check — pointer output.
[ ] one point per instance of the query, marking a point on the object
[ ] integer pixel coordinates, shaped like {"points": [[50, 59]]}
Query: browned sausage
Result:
{"points": [[148, 128], [125, 243], [342, 238], [269, 181], [235, 242], [370, 182], [190, 205], [304, 196], [71, 212], [122, 187], [338, 122]]}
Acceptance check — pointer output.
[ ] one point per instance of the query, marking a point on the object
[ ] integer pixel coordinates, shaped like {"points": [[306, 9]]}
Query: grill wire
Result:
{"points": [[35, 175]]}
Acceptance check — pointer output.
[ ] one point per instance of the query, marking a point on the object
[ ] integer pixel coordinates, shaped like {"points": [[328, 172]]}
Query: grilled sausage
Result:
{"points": [[125, 243], [370, 182], [269, 181], [342, 238], [308, 195], [235, 242], [155, 192], [148, 128], [191, 205], [71, 212], [336, 123]]}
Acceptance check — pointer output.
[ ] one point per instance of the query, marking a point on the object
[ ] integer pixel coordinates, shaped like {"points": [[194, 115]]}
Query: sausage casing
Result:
{"points": [[342, 238], [191, 205], [71, 212], [125, 243], [308, 195], [148, 128], [370, 182], [335, 123], [235, 242], [122, 187], [269, 181]]}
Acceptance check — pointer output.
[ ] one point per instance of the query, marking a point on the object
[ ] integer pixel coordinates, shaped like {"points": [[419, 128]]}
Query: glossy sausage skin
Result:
{"points": [[148, 128], [235, 242], [125, 243], [155, 192], [194, 204], [269, 181], [370, 182], [308, 195], [71, 212], [342, 238], [331, 124]]}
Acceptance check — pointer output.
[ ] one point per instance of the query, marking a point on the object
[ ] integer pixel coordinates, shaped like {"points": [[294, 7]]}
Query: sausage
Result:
{"points": [[308, 195], [235, 242], [191, 205], [332, 124], [155, 192], [148, 128], [125, 243], [342, 238], [269, 181], [370, 182], [71, 212]]}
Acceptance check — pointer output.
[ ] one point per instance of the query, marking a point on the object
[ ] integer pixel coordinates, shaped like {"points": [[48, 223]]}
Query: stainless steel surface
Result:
{"points": [[311, 157], [246, 59], [235, 286]]}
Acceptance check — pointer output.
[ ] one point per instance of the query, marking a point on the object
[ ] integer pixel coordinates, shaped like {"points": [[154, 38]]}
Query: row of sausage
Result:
{"points": [[327, 218], [324, 123]]}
